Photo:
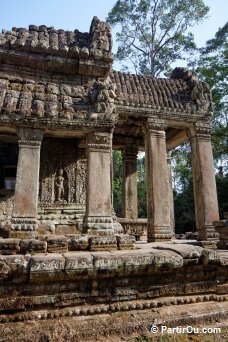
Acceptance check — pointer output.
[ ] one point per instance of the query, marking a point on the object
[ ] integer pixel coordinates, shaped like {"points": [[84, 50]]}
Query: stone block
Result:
{"points": [[4, 269], [9, 246], [66, 229], [57, 244], [78, 264], [109, 263], [102, 243], [33, 246], [18, 264], [190, 253], [125, 242], [77, 242], [138, 261], [221, 227], [166, 259], [47, 267]]}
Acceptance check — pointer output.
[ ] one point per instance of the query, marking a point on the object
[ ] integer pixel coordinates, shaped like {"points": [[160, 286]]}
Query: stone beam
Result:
{"points": [[175, 137]]}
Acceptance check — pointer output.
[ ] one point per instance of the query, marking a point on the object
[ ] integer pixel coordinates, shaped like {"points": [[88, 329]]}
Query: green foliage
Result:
{"points": [[183, 189], [212, 65], [153, 33], [117, 182], [141, 187]]}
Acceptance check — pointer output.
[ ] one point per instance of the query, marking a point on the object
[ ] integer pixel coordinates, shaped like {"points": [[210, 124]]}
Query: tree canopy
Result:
{"points": [[154, 33], [212, 65]]}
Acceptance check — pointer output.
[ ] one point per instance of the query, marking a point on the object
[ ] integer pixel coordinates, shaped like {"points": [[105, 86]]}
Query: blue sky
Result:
{"points": [[77, 14]]}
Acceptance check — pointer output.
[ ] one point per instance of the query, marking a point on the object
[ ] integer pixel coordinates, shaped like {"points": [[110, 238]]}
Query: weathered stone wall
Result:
{"points": [[88, 283]]}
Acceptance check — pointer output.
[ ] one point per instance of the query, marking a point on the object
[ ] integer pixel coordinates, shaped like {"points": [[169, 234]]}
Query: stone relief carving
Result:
{"points": [[62, 172], [61, 186], [201, 95], [102, 37], [102, 95], [81, 181]]}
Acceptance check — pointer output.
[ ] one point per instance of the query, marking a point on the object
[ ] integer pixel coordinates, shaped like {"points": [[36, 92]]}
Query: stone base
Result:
{"points": [[125, 242], [57, 244], [136, 228], [65, 243], [130, 323], [207, 244], [221, 227], [103, 224], [98, 293], [103, 243], [208, 234], [159, 234]]}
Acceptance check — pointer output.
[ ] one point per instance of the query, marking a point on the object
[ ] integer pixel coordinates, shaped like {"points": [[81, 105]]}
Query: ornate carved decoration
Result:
{"points": [[102, 95], [62, 172], [99, 141], [81, 171], [201, 130], [201, 95], [155, 127], [101, 33]]}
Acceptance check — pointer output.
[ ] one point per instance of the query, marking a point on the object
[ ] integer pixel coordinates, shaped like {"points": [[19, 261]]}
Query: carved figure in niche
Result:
{"points": [[61, 183]]}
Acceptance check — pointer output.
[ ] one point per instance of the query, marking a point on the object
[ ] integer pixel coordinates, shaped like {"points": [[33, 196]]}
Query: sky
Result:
{"points": [[78, 14]]}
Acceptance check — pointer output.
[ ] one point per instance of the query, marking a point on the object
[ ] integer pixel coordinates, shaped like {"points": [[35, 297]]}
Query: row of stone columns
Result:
{"points": [[98, 218]]}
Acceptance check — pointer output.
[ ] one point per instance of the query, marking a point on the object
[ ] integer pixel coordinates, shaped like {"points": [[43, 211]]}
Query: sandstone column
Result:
{"points": [[98, 218], [27, 180], [205, 194], [171, 201], [130, 198], [158, 208]]}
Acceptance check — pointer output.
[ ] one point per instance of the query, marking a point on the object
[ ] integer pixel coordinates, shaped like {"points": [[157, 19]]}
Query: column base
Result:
{"points": [[208, 234], [98, 225], [159, 234]]}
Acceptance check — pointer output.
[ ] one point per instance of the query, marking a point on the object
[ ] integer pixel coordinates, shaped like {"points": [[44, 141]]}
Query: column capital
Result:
{"points": [[99, 141], [201, 130], [155, 127], [30, 136]]}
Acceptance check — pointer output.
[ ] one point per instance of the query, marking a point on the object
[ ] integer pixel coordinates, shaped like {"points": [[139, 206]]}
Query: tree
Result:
{"points": [[212, 66], [153, 33], [117, 183]]}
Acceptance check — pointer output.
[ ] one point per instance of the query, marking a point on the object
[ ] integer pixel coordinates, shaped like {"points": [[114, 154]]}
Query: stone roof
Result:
{"points": [[26, 97], [21, 45], [182, 92], [63, 74]]}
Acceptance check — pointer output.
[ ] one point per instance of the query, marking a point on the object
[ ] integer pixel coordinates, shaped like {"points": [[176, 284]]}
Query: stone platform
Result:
{"points": [[81, 286]]}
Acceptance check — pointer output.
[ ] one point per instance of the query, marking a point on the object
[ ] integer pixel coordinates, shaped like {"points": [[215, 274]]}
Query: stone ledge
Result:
{"points": [[65, 243], [74, 265]]}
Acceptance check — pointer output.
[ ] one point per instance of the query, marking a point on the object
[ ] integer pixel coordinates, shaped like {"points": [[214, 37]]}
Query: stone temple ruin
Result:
{"points": [[64, 253]]}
